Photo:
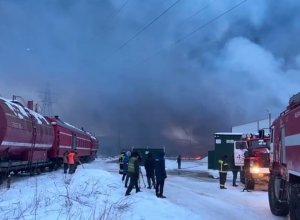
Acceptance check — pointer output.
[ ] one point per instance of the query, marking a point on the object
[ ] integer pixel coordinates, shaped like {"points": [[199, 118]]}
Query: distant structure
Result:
{"points": [[253, 127], [46, 107]]}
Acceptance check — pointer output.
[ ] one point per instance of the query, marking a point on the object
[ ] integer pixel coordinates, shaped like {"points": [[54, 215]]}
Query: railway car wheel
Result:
{"points": [[1, 178], [278, 207], [294, 205], [51, 167]]}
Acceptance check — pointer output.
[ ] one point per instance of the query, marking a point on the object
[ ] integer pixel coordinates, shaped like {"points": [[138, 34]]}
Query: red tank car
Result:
{"points": [[24, 134], [68, 137], [30, 142]]}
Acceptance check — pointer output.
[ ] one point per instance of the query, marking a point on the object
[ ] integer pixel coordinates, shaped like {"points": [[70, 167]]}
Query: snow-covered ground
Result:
{"points": [[96, 191]]}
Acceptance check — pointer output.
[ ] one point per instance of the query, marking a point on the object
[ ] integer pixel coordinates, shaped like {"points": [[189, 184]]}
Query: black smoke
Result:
{"points": [[167, 87]]}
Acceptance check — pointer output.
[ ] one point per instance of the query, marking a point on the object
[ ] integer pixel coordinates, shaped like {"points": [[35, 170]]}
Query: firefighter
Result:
{"points": [[65, 158], [149, 167], [223, 171], [235, 169], [125, 168], [133, 171], [179, 161], [76, 160], [121, 162], [71, 161], [160, 174]]}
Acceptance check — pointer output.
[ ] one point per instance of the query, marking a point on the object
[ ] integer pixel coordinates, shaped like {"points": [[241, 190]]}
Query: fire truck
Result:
{"points": [[252, 153], [284, 184]]}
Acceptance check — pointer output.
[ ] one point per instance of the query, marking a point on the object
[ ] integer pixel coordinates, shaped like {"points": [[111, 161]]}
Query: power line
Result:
{"points": [[197, 12], [211, 21], [147, 25], [120, 9], [197, 29]]}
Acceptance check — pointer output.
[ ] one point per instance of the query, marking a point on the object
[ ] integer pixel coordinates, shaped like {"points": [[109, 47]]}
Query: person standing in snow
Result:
{"points": [[71, 161], [65, 160], [77, 161], [160, 174], [223, 171], [235, 169], [125, 168], [179, 161], [149, 167], [121, 164], [133, 171]]}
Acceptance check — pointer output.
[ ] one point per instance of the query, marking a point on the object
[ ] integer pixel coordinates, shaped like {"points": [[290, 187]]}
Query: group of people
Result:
{"points": [[224, 166], [155, 172], [70, 161]]}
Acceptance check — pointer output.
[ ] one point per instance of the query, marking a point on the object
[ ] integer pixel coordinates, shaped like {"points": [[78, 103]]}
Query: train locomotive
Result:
{"points": [[31, 143]]}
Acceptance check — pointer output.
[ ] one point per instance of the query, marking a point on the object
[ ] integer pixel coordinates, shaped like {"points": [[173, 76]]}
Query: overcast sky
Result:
{"points": [[153, 70]]}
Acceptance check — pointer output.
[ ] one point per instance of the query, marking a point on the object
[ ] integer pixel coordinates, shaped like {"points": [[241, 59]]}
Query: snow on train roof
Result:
{"points": [[86, 132], [74, 127], [22, 112]]}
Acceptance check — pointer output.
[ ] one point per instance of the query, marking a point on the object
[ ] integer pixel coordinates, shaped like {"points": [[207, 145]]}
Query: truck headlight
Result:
{"points": [[254, 169]]}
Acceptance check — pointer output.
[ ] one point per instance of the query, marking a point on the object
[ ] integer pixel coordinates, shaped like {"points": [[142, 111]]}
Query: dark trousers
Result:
{"points": [[124, 175], [71, 168], [149, 179], [159, 189], [126, 180], [223, 177], [133, 183], [66, 166], [179, 165], [234, 173]]}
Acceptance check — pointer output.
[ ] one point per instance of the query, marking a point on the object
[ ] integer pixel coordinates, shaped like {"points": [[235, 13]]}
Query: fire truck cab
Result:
{"points": [[284, 184], [252, 153]]}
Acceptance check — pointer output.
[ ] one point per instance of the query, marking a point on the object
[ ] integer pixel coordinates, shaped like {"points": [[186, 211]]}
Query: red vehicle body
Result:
{"points": [[252, 153], [67, 137], [30, 142], [284, 185]]}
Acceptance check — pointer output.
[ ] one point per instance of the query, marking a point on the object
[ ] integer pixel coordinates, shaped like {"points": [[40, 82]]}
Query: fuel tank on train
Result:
{"points": [[24, 134]]}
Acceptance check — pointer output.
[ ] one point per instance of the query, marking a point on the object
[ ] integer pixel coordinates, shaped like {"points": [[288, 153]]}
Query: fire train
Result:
{"points": [[284, 184], [31, 143]]}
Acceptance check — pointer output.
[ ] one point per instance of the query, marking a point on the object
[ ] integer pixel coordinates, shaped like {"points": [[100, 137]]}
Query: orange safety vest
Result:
{"points": [[71, 158]]}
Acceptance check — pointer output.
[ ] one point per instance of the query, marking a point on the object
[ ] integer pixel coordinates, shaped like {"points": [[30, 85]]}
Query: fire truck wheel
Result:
{"points": [[295, 202], [277, 207]]}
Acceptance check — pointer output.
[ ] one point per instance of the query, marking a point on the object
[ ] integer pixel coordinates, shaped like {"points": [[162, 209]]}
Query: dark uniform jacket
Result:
{"points": [[149, 166], [159, 168], [233, 166], [223, 166]]}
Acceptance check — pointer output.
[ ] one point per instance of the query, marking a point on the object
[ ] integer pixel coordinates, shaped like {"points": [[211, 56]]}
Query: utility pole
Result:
{"points": [[46, 108], [269, 116]]}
